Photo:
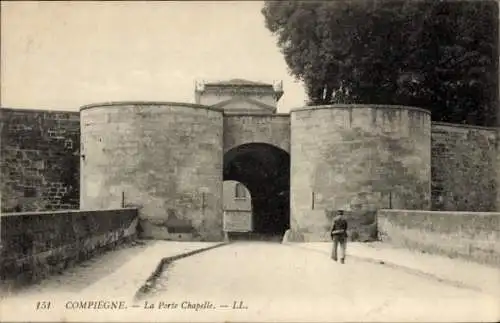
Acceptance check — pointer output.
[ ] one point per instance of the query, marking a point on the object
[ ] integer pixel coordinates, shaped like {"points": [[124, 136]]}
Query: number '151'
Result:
{"points": [[44, 305]]}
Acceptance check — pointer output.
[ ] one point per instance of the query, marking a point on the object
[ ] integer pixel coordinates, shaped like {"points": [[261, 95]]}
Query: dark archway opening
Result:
{"points": [[265, 170]]}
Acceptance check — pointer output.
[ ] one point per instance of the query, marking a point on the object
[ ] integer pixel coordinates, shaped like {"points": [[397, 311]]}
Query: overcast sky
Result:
{"points": [[63, 55]]}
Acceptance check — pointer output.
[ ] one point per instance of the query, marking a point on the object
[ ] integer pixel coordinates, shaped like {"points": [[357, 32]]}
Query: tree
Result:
{"points": [[441, 56]]}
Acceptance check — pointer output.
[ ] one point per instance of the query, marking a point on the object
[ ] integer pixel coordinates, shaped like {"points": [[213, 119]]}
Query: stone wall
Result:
{"points": [[244, 106], [247, 128], [164, 157], [231, 202], [36, 244], [361, 226], [471, 235], [212, 95], [39, 159], [358, 157], [464, 176], [498, 167]]}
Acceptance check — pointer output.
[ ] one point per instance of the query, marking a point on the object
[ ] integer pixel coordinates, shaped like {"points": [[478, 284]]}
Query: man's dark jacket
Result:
{"points": [[339, 224]]}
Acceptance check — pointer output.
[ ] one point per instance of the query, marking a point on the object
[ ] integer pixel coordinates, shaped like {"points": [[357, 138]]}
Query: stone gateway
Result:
{"points": [[171, 160]]}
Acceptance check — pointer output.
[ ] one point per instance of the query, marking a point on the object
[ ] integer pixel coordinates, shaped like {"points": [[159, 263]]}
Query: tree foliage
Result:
{"points": [[439, 55]]}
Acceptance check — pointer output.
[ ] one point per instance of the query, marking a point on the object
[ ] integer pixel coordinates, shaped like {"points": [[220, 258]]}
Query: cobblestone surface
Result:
{"points": [[275, 283]]}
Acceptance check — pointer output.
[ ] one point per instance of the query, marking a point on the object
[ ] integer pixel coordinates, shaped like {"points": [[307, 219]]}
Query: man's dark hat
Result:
{"points": [[340, 212]]}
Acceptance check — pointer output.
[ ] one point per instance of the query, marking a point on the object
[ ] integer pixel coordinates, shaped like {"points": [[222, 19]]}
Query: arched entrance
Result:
{"points": [[265, 170]]}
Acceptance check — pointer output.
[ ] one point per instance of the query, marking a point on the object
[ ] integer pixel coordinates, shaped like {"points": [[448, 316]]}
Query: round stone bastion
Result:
{"points": [[357, 157], [164, 158]]}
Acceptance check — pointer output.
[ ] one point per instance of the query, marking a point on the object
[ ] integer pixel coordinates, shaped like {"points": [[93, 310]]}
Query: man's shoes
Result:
{"points": [[334, 259], [342, 261]]}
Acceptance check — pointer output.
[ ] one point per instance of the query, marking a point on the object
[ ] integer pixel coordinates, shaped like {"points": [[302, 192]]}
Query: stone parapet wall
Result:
{"points": [[39, 159], [36, 244], [470, 235], [361, 226]]}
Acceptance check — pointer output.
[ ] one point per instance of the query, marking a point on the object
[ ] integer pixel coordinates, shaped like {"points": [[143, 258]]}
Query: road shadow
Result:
{"points": [[254, 236]]}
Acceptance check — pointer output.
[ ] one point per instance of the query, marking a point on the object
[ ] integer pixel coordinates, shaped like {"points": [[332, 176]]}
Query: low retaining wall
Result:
{"points": [[361, 226], [36, 244], [470, 235]]}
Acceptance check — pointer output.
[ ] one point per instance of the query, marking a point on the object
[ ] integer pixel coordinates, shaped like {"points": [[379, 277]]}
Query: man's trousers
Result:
{"points": [[339, 244]]}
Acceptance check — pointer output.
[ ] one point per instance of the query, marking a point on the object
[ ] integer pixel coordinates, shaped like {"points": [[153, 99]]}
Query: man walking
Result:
{"points": [[338, 234]]}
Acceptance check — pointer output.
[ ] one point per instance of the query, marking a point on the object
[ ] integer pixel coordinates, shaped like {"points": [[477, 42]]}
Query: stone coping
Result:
{"points": [[439, 212], [63, 212], [461, 125], [149, 103], [359, 106], [37, 110], [281, 115], [237, 82]]}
